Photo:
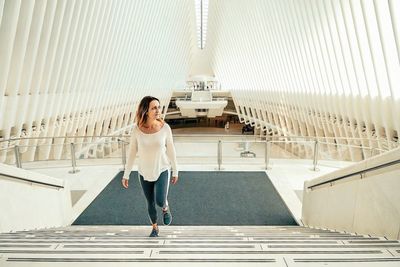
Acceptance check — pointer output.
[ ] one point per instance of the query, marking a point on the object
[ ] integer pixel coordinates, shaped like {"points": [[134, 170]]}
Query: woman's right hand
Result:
{"points": [[125, 183]]}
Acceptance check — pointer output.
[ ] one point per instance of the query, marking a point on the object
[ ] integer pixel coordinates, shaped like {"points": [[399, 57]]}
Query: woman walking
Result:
{"points": [[151, 139]]}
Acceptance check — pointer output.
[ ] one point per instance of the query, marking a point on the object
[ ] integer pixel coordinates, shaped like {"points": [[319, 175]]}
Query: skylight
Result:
{"points": [[201, 22]]}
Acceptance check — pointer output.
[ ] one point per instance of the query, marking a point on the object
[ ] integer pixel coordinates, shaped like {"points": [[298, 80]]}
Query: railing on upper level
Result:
{"points": [[189, 98], [216, 150], [202, 86]]}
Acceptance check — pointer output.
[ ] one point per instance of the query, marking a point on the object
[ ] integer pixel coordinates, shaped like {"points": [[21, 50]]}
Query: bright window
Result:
{"points": [[201, 22]]}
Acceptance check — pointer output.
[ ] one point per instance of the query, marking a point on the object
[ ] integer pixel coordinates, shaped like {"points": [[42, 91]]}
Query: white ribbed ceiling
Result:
{"points": [[63, 61], [309, 67]]}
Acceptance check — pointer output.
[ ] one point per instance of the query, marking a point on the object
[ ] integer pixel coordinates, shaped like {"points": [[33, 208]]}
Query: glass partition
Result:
{"points": [[215, 150], [244, 152], [197, 153]]}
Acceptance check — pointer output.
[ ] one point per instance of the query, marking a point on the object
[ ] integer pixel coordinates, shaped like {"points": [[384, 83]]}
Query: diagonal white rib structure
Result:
{"points": [[74, 70], [79, 67], [328, 69]]}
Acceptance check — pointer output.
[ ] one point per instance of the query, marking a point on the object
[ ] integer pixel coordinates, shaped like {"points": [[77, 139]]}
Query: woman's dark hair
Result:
{"points": [[141, 114]]}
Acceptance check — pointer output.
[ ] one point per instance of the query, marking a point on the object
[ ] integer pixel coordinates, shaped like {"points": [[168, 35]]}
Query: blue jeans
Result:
{"points": [[156, 193]]}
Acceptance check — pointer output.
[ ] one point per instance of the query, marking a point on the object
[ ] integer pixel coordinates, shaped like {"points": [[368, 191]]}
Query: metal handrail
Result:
{"points": [[119, 139], [353, 146], [243, 138], [207, 135], [61, 137], [290, 142], [356, 173], [80, 143], [31, 181], [241, 141]]}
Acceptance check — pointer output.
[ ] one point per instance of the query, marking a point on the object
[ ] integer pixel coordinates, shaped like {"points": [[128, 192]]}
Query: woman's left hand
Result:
{"points": [[174, 179]]}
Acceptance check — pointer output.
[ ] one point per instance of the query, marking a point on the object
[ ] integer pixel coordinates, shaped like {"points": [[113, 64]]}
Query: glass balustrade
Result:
{"points": [[217, 151]]}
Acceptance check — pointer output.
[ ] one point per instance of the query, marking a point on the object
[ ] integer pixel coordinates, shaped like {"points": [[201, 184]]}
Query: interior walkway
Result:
{"points": [[195, 245], [286, 174]]}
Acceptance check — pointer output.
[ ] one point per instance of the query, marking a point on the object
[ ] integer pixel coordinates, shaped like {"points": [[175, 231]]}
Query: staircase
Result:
{"points": [[195, 246]]}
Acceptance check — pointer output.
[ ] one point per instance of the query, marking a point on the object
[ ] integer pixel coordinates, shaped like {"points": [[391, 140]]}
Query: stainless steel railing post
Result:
{"points": [[315, 160], [219, 154], [123, 151], [17, 157], [73, 159], [267, 153]]}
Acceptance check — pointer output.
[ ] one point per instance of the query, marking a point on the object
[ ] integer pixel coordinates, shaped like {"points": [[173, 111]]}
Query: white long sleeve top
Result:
{"points": [[156, 153]]}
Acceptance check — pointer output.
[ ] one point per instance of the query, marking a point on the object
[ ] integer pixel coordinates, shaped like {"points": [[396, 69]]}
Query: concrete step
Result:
{"points": [[195, 246]]}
